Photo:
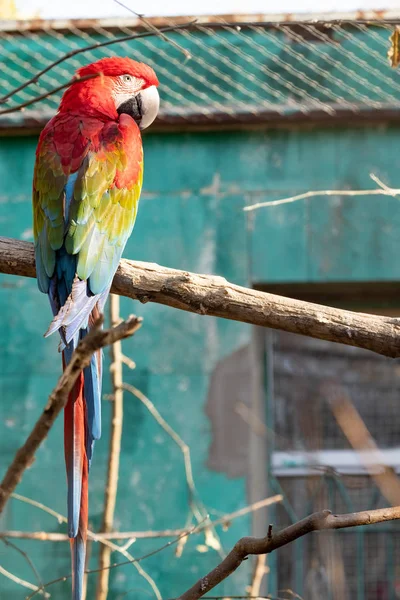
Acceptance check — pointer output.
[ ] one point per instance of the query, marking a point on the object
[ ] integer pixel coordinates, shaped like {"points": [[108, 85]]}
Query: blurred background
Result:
{"points": [[255, 108]]}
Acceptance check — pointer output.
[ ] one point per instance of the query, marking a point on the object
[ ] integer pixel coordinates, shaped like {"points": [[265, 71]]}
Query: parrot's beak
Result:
{"points": [[143, 107]]}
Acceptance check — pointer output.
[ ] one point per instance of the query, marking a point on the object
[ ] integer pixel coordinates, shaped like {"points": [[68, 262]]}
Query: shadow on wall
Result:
{"points": [[228, 398]]}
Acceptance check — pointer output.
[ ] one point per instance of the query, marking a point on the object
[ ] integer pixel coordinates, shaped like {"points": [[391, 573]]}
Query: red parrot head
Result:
{"points": [[123, 86]]}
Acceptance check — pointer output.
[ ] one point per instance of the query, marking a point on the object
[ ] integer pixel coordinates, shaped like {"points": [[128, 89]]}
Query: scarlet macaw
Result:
{"points": [[86, 188]]}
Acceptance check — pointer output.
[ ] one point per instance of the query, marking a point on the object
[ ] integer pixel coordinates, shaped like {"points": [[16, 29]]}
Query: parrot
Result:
{"points": [[86, 187]]}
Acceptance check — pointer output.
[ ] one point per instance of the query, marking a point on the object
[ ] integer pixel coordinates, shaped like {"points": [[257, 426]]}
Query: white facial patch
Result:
{"points": [[125, 87]]}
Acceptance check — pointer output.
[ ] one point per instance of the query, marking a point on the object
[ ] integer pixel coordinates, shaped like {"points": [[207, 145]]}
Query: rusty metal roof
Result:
{"points": [[366, 16]]}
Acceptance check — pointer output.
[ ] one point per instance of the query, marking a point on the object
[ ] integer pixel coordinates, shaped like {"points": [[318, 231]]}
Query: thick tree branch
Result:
{"points": [[251, 545], [96, 339], [214, 296]]}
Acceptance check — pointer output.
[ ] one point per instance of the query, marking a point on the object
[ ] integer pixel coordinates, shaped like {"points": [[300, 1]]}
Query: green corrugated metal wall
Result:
{"points": [[190, 217]]}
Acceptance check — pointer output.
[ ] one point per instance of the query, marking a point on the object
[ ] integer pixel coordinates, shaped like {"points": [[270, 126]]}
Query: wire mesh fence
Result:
{"points": [[355, 563], [216, 70]]}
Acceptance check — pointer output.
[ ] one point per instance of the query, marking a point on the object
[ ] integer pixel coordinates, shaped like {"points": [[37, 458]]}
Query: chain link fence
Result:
{"points": [[215, 70]]}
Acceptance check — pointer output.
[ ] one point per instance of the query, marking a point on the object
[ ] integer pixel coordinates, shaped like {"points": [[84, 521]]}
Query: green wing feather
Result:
{"points": [[101, 218], [48, 210]]}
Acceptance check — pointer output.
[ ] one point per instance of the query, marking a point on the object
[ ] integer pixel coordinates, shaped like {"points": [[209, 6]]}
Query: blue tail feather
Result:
{"points": [[92, 378], [78, 556]]}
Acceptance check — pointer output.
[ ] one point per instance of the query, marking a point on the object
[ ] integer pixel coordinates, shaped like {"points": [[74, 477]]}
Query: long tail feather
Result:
{"points": [[78, 543], [82, 426], [92, 386], [75, 451]]}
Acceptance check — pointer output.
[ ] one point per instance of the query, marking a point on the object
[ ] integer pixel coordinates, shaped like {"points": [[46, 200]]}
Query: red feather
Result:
{"points": [[75, 427], [114, 66]]}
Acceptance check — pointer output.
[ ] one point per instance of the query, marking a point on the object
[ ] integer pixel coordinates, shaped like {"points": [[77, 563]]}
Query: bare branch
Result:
{"points": [[96, 339], [26, 557], [215, 296], [22, 582], [18, 107], [49, 536], [155, 29], [128, 362], [254, 546], [60, 518], [383, 190], [91, 535], [198, 510], [260, 569], [319, 193], [115, 565], [43, 536]]}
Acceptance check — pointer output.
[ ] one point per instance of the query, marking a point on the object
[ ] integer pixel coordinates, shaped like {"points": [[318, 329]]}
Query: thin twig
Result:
{"points": [[26, 557], [184, 448], [122, 550], [49, 536], [225, 520], [260, 569], [95, 340], [120, 564], [23, 582], [114, 451], [91, 535], [383, 190], [156, 31], [182, 542], [250, 545], [195, 505], [95, 46], [18, 107], [217, 297], [39, 505], [381, 184], [128, 362]]}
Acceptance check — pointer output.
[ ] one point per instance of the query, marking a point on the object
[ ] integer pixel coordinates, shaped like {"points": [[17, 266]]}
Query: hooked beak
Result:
{"points": [[143, 107]]}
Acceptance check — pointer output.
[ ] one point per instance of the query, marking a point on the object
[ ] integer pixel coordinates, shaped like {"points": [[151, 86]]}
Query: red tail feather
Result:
{"points": [[75, 432]]}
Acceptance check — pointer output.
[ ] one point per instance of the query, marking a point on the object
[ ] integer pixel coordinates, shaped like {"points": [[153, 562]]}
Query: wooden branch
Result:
{"points": [[214, 296], [96, 339], [114, 452], [254, 546]]}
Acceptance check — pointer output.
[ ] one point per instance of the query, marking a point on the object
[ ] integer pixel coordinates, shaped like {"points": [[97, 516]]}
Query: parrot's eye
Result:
{"points": [[127, 78]]}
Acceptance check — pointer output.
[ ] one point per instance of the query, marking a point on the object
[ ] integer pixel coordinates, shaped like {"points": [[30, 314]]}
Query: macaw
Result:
{"points": [[86, 187]]}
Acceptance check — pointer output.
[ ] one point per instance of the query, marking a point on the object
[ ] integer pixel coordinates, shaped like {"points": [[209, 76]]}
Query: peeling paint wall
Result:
{"points": [[196, 370]]}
